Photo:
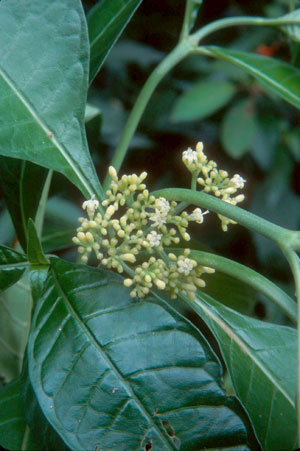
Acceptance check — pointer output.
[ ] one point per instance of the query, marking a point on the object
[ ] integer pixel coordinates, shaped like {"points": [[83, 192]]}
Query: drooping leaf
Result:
{"points": [[203, 99], [142, 372], [42, 106], [12, 267], [14, 432], [277, 75], [34, 249], [106, 21], [239, 128], [262, 361], [15, 317], [22, 196], [293, 30]]}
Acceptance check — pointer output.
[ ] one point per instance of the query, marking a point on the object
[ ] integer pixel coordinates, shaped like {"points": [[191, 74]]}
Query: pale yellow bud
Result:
{"points": [[128, 258], [113, 173], [89, 237], [160, 284], [81, 236]]}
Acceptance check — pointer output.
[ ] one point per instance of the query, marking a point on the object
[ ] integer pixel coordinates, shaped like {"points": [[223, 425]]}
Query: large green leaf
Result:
{"points": [[12, 267], [106, 21], [203, 99], [14, 432], [277, 75], [114, 372], [15, 315], [262, 361], [22, 196], [43, 85]]}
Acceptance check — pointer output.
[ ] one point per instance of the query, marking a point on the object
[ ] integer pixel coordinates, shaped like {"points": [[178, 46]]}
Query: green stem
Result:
{"points": [[177, 54], [239, 21], [294, 262], [247, 276], [283, 237], [40, 215]]}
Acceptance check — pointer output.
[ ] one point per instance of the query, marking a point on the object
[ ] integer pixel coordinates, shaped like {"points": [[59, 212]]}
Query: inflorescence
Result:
{"points": [[131, 229]]}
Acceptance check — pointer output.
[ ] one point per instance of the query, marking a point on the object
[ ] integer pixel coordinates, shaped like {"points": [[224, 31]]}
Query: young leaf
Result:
{"points": [[277, 75], [34, 249], [15, 317], [12, 267], [293, 30], [239, 128], [262, 361], [202, 100], [21, 195], [106, 21], [42, 104], [142, 372], [14, 432]]}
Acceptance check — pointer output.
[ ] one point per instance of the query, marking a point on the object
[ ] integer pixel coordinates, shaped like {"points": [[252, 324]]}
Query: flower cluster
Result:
{"points": [[131, 224], [213, 180]]}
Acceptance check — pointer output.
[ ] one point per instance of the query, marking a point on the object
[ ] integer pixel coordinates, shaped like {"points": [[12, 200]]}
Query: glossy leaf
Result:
{"points": [[262, 361], [21, 195], [202, 100], [12, 267], [277, 75], [14, 432], [293, 30], [34, 250], [42, 432], [239, 128], [15, 316], [42, 106], [106, 21], [142, 372]]}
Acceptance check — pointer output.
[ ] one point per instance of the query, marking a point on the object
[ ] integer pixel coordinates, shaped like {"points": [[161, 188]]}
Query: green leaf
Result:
{"points": [[193, 10], [42, 106], [202, 100], [106, 21], [121, 373], [43, 433], [262, 361], [293, 30], [12, 267], [21, 195], [15, 317], [277, 75], [239, 128], [14, 432], [34, 249]]}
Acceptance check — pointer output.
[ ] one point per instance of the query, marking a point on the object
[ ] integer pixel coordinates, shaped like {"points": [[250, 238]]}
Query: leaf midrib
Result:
{"points": [[98, 36], [243, 346], [90, 336], [63, 151]]}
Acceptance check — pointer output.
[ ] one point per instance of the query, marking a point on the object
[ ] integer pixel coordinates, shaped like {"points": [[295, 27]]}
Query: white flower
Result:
{"points": [[162, 205], [91, 205], [238, 181], [197, 215], [158, 219], [154, 238], [185, 265], [189, 156]]}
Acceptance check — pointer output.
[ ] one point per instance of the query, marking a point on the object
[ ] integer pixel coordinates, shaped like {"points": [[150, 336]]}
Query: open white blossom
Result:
{"points": [[189, 156], [185, 265], [91, 205], [154, 238], [197, 215], [238, 181]]}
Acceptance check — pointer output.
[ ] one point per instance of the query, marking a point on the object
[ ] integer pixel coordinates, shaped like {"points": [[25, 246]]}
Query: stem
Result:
{"points": [[282, 237], [40, 215], [247, 276], [177, 54], [186, 20], [239, 21], [294, 262]]}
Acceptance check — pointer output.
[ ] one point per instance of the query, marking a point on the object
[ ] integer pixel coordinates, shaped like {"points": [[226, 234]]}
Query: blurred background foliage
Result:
{"points": [[244, 126]]}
